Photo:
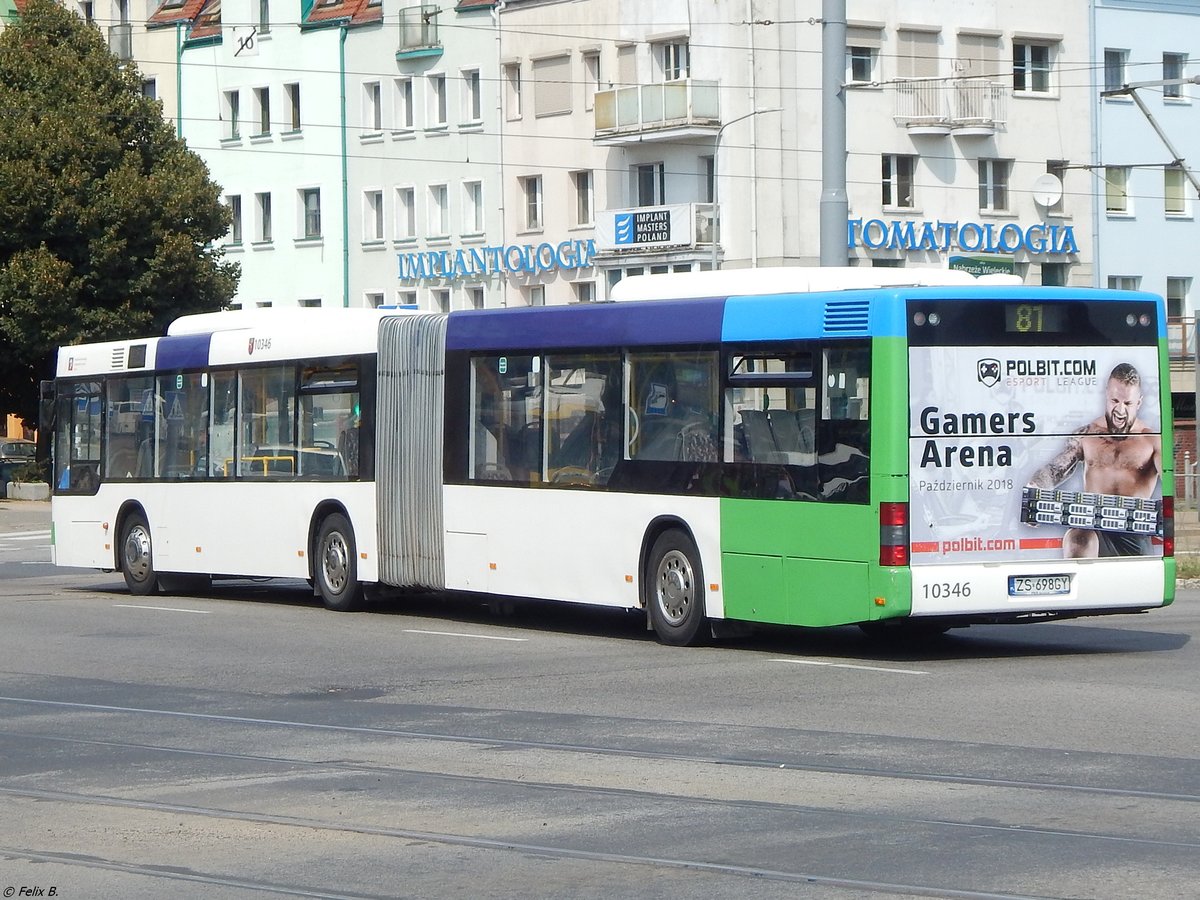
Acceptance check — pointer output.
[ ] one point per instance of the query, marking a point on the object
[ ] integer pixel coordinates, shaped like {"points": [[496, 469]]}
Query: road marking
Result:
{"points": [[482, 637], [199, 612], [24, 535], [833, 665]]}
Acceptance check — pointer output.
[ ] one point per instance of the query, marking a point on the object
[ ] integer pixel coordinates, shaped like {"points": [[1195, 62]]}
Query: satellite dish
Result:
{"points": [[1047, 189]]}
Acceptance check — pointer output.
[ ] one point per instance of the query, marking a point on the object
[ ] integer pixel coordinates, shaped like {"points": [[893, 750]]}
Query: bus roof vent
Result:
{"points": [[847, 316], [118, 358]]}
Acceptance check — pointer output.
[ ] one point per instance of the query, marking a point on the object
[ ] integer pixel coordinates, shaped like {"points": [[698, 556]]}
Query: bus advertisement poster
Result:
{"points": [[1026, 453]]}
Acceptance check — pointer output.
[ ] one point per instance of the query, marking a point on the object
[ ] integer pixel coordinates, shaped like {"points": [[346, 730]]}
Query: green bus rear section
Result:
{"points": [[817, 564]]}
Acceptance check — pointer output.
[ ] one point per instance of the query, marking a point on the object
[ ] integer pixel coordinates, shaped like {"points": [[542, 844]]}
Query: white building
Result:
{"points": [[457, 154]]}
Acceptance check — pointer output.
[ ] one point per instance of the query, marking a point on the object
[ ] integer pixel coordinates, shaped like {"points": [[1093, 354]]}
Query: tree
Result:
{"points": [[107, 220]]}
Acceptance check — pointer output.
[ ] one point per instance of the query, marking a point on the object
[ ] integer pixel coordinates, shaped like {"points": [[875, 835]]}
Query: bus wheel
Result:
{"points": [[137, 556], [336, 568], [675, 585]]}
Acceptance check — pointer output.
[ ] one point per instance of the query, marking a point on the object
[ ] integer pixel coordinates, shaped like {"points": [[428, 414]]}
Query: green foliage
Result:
{"points": [[107, 220]]}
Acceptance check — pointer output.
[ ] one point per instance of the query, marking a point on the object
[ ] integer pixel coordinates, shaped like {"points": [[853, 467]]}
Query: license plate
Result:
{"points": [[1038, 585]]}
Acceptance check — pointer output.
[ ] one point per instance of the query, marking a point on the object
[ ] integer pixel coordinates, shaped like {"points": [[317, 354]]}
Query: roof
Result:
{"points": [[354, 12]]}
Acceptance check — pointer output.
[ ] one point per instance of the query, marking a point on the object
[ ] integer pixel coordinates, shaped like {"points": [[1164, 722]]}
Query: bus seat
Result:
{"points": [[759, 437], [794, 434]]}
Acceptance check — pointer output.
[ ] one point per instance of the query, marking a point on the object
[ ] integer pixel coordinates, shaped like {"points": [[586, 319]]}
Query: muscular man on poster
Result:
{"points": [[1120, 456]]}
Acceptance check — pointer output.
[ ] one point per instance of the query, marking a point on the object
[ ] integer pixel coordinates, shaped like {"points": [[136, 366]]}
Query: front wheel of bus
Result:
{"points": [[337, 565], [675, 590], [137, 556]]}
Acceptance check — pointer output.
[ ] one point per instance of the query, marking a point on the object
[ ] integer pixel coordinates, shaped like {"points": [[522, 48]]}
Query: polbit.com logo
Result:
{"points": [[988, 372]]}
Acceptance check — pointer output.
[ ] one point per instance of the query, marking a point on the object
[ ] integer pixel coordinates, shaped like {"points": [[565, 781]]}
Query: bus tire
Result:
{"points": [[675, 590], [335, 568], [137, 556]]}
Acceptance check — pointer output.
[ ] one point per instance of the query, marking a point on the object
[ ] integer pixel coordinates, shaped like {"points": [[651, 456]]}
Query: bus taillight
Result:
{"points": [[1168, 514], [893, 534]]}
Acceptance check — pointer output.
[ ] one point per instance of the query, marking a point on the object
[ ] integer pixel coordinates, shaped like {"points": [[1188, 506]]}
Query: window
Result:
{"points": [[262, 102], [673, 399], [978, 57], [1124, 282], [129, 431], [1177, 295], [583, 417], [403, 120], [264, 16], [235, 213], [512, 90], [475, 297], [782, 409], [675, 60], [439, 211], [1054, 274], [582, 182], [407, 299], [472, 97], [329, 421], [1058, 168], [1173, 66], [552, 86], [898, 180], [506, 419], [993, 185], [310, 302], [1114, 69], [373, 215], [708, 176], [231, 108], [262, 209], [916, 53], [406, 213], [860, 64], [650, 184], [149, 89], [311, 203], [372, 111], [1175, 191], [182, 427], [591, 78], [1116, 190], [472, 207], [531, 188], [440, 299], [1031, 68], [292, 93], [535, 295], [585, 291], [373, 299], [435, 112], [266, 413]]}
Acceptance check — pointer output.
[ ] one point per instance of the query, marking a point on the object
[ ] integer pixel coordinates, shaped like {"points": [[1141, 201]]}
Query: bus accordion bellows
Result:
{"points": [[904, 450]]}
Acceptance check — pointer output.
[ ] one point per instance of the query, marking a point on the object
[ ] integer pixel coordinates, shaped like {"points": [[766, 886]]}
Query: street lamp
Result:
{"points": [[717, 176]]}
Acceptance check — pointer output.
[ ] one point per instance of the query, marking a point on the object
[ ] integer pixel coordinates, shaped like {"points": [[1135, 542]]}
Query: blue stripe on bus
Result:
{"points": [[630, 324], [185, 351], [781, 317]]}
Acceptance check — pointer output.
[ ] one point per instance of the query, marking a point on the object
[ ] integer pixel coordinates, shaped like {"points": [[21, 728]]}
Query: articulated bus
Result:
{"points": [[897, 449]]}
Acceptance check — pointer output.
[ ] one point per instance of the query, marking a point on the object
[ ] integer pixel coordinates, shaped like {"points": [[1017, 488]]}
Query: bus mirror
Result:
{"points": [[46, 406]]}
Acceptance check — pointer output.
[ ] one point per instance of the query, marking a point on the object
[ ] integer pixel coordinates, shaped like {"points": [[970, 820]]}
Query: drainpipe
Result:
{"points": [[179, 80], [342, 32], [496, 11]]}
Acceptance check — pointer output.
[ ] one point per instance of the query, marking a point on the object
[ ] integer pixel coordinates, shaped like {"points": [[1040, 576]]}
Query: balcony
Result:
{"points": [[120, 41], [961, 106], [419, 32], [665, 111]]}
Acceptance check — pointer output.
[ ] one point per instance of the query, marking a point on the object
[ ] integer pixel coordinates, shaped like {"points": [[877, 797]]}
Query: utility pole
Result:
{"points": [[1130, 90], [835, 208]]}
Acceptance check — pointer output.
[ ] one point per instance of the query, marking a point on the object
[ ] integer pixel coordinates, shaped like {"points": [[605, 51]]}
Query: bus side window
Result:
{"points": [[506, 419]]}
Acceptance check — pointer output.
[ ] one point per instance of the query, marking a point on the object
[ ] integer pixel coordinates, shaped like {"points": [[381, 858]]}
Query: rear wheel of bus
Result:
{"points": [[675, 595], [137, 556], [335, 568]]}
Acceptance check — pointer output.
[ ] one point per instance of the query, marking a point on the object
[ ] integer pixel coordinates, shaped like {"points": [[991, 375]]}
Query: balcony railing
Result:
{"points": [[960, 105], [657, 107], [1181, 341], [419, 28], [120, 41]]}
